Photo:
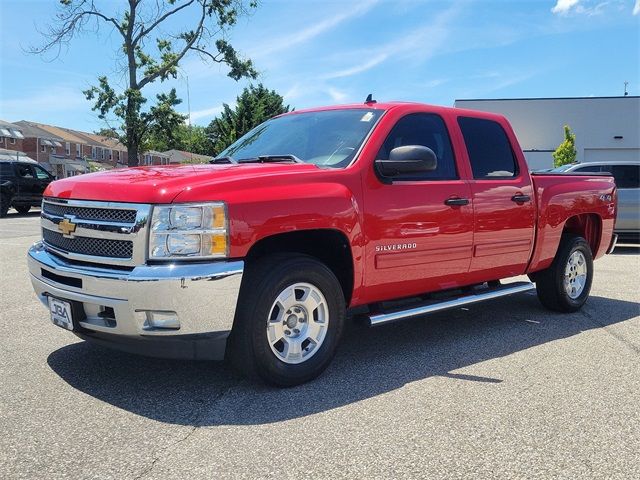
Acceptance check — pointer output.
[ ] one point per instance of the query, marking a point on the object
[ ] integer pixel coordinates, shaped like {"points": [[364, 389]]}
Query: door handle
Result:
{"points": [[521, 198], [456, 202]]}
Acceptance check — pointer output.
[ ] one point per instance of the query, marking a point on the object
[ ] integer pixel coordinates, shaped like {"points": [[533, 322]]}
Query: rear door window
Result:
{"points": [[488, 147]]}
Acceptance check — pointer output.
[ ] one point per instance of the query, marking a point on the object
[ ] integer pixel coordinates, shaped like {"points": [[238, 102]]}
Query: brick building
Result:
{"points": [[152, 157], [66, 152], [11, 136]]}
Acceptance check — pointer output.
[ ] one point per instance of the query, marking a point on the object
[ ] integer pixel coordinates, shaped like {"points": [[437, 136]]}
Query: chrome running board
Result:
{"points": [[436, 306]]}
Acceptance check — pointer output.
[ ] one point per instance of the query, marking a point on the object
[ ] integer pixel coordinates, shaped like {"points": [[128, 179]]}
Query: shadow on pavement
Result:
{"points": [[626, 250], [34, 212], [370, 362]]}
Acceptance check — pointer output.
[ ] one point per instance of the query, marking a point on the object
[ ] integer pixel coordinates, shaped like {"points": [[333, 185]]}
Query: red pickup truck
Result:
{"points": [[259, 256]]}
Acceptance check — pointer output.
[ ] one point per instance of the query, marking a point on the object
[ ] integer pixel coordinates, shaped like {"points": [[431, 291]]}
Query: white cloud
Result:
{"points": [[286, 42], [421, 44], [337, 95], [207, 112], [436, 82], [564, 6], [636, 8], [378, 59], [586, 7]]}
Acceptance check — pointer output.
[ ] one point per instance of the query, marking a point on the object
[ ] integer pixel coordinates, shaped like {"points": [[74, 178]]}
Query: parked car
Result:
{"points": [[627, 177], [21, 185], [258, 256]]}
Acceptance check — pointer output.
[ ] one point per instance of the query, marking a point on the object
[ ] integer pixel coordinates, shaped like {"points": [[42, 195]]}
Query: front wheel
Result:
{"points": [[566, 284], [22, 209], [289, 320], [5, 203]]}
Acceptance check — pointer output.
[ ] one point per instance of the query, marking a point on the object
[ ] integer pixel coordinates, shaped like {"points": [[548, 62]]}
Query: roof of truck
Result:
{"points": [[396, 105]]}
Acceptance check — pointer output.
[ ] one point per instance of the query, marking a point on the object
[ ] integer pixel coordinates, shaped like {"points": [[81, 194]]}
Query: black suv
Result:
{"points": [[22, 185]]}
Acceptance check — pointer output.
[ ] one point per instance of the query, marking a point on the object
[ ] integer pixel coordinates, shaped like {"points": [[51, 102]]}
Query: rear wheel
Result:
{"points": [[289, 320], [22, 209], [566, 284]]}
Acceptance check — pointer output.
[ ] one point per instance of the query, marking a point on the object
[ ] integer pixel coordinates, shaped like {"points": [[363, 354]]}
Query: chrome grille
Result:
{"points": [[109, 233], [88, 213], [97, 247]]}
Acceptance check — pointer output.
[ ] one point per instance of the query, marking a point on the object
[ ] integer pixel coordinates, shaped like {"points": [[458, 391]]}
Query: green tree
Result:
{"points": [[183, 137], [107, 132], [196, 140], [151, 50], [566, 152], [253, 106]]}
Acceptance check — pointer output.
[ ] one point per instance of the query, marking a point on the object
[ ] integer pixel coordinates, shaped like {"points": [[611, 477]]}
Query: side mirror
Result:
{"points": [[406, 160]]}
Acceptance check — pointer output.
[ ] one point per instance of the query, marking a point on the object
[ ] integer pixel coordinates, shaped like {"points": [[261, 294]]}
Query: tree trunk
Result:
{"points": [[132, 154], [132, 136], [131, 119]]}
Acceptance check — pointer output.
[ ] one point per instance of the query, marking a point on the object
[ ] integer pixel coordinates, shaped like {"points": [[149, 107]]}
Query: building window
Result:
{"points": [[12, 141], [67, 148], [93, 152], [117, 155], [43, 148], [78, 150], [1, 139]]}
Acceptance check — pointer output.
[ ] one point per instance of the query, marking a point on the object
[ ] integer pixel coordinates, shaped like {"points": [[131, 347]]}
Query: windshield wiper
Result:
{"points": [[222, 161], [271, 158]]}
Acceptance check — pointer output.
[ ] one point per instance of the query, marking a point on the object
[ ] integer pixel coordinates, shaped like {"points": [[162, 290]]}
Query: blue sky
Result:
{"points": [[318, 52]]}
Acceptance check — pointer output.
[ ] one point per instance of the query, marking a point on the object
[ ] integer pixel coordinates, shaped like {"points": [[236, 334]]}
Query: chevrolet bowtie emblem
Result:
{"points": [[67, 227]]}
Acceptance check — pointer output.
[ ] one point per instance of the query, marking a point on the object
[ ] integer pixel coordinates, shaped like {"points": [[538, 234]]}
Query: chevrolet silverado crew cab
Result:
{"points": [[259, 256]]}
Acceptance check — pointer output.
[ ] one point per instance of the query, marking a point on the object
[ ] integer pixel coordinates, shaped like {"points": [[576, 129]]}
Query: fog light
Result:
{"points": [[167, 320]]}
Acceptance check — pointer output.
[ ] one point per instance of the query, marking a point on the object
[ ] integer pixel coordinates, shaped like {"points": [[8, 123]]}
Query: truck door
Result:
{"points": [[25, 182], [43, 179], [419, 227], [503, 200]]}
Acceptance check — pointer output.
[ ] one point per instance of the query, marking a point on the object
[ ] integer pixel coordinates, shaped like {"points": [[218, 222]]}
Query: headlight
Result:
{"points": [[189, 231]]}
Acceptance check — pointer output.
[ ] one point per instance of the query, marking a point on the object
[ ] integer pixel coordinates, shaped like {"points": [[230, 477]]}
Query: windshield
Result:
{"points": [[329, 138]]}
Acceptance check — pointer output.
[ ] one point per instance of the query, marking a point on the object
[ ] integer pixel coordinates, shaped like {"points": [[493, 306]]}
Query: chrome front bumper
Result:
{"points": [[119, 304]]}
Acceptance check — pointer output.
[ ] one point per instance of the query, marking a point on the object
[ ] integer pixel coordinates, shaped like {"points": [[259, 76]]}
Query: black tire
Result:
{"points": [[22, 209], [249, 350], [550, 282], [5, 202]]}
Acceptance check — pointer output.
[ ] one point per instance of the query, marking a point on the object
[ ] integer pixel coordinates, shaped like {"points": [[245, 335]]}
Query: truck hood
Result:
{"points": [[163, 183]]}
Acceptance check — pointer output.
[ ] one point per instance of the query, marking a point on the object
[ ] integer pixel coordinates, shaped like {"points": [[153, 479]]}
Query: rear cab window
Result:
{"points": [[489, 149]]}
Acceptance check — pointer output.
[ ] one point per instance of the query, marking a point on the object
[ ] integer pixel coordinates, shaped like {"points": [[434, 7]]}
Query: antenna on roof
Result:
{"points": [[370, 99]]}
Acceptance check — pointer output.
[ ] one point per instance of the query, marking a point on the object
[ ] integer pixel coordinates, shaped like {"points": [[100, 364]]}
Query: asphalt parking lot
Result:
{"points": [[502, 390]]}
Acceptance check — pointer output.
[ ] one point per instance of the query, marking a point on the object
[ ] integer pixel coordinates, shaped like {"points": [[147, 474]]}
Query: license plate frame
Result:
{"points": [[61, 313]]}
